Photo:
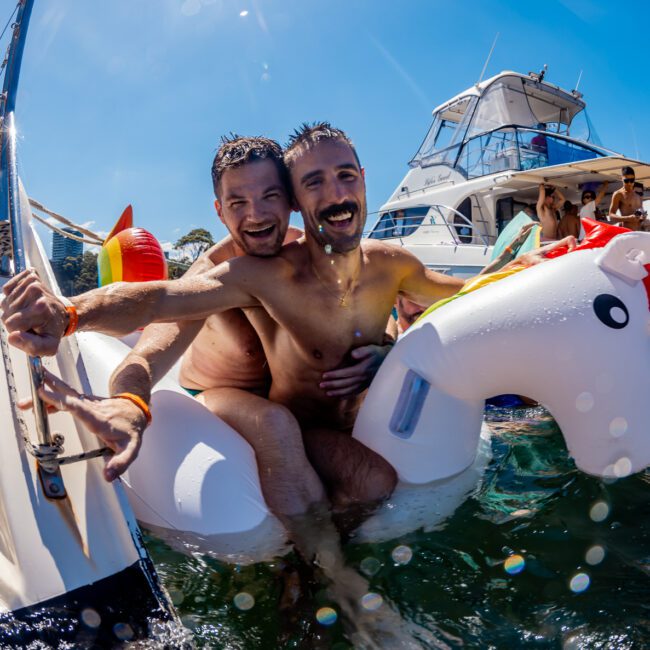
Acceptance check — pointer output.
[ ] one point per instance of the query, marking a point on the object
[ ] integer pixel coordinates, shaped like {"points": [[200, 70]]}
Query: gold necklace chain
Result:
{"points": [[341, 298]]}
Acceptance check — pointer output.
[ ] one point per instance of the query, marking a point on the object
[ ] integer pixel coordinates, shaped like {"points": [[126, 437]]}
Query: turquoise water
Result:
{"points": [[540, 556]]}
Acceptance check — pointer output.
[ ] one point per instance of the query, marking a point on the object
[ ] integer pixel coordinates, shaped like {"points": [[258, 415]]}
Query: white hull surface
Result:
{"points": [[51, 549]]}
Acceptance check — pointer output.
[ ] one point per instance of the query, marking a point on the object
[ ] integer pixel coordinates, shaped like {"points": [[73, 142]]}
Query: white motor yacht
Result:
{"points": [[481, 163]]}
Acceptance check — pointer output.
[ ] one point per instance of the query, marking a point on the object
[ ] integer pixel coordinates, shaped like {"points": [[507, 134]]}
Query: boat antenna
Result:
{"points": [[578, 82], [488, 59]]}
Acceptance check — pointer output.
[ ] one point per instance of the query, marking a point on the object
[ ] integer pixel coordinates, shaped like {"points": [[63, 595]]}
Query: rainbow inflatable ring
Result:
{"points": [[130, 254]]}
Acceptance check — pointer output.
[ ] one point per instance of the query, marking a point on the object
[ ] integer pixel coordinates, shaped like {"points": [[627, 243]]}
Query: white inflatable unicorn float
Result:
{"points": [[572, 333]]}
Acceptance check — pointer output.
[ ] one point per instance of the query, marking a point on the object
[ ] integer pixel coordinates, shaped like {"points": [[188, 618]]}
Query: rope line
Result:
{"points": [[89, 233], [69, 235], [13, 13]]}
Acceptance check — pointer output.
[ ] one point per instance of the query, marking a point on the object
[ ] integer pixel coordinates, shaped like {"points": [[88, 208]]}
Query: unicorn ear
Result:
{"points": [[626, 255]]}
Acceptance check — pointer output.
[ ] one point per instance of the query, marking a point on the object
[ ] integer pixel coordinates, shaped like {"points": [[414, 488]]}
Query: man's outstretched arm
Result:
{"points": [[37, 319]]}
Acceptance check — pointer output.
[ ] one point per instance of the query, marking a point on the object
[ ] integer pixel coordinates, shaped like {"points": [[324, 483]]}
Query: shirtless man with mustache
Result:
{"points": [[314, 302]]}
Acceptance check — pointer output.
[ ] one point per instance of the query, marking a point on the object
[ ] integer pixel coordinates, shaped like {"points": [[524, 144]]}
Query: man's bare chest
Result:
{"points": [[320, 332]]}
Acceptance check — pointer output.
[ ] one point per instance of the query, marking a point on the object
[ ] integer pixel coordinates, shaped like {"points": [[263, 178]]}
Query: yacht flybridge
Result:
{"points": [[481, 163]]}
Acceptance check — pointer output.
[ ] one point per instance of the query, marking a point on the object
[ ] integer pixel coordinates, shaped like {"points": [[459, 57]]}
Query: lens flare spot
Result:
{"points": [[370, 566], [402, 555], [595, 555], [371, 601], [622, 467], [243, 601], [326, 616], [320, 227], [585, 402], [618, 427], [328, 249], [177, 596], [579, 583], [514, 564], [243, 13], [91, 618], [357, 333], [599, 511], [123, 631]]}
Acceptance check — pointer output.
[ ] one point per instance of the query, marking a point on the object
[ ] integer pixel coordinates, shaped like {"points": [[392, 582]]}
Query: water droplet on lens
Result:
{"points": [[328, 249], [585, 402], [371, 601], [402, 555], [91, 618], [595, 555], [622, 467], [243, 601], [599, 511], [618, 427], [579, 583], [370, 566], [514, 564], [326, 616], [177, 596], [123, 631]]}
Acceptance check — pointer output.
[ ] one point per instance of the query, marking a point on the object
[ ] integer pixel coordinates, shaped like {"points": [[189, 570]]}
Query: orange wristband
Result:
{"points": [[139, 402], [73, 320], [508, 249]]}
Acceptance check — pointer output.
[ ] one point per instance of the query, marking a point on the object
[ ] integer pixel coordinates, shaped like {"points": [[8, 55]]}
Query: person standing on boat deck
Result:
{"points": [[570, 222], [329, 271], [590, 201], [626, 201], [549, 199]]}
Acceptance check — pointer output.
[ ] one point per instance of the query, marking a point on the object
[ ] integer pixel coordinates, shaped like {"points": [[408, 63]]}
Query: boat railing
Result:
{"points": [[434, 219], [48, 445]]}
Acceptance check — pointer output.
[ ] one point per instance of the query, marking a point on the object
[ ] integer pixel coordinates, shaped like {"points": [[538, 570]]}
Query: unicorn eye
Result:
{"points": [[611, 311]]}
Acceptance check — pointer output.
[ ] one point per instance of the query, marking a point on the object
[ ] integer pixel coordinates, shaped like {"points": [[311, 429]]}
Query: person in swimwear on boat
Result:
{"points": [[626, 201], [550, 198], [329, 271]]}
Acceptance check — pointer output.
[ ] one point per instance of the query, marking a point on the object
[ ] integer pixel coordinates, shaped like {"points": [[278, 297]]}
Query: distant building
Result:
{"points": [[63, 247]]}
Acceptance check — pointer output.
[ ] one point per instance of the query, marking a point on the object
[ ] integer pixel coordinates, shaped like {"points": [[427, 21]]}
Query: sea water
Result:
{"points": [[539, 556]]}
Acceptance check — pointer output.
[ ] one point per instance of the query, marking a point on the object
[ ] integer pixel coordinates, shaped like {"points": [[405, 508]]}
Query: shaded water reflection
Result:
{"points": [[539, 556]]}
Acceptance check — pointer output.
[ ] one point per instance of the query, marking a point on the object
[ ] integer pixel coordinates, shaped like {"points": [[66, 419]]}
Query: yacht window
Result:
{"points": [[399, 223], [448, 129]]}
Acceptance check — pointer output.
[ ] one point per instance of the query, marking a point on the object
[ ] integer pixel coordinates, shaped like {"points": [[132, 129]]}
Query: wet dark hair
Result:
{"points": [[569, 207], [307, 135], [548, 190], [590, 192], [236, 150], [627, 171]]}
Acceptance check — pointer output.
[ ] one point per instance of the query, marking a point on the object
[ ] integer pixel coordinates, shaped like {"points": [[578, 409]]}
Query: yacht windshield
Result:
{"points": [[448, 129]]}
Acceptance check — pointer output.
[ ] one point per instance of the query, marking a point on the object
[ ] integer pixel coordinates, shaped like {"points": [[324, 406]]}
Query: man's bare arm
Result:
{"points": [[422, 285], [162, 344], [602, 190], [541, 197], [36, 319]]}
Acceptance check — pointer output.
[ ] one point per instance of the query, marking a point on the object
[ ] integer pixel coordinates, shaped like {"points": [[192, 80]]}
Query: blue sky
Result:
{"points": [[124, 101]]}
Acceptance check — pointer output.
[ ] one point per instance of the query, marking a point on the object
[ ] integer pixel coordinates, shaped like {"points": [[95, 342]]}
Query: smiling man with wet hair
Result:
{"points": [[329, 274]]}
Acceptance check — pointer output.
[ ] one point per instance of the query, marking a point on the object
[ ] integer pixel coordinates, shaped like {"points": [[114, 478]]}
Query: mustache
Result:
{"points": [[333, 210]]}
